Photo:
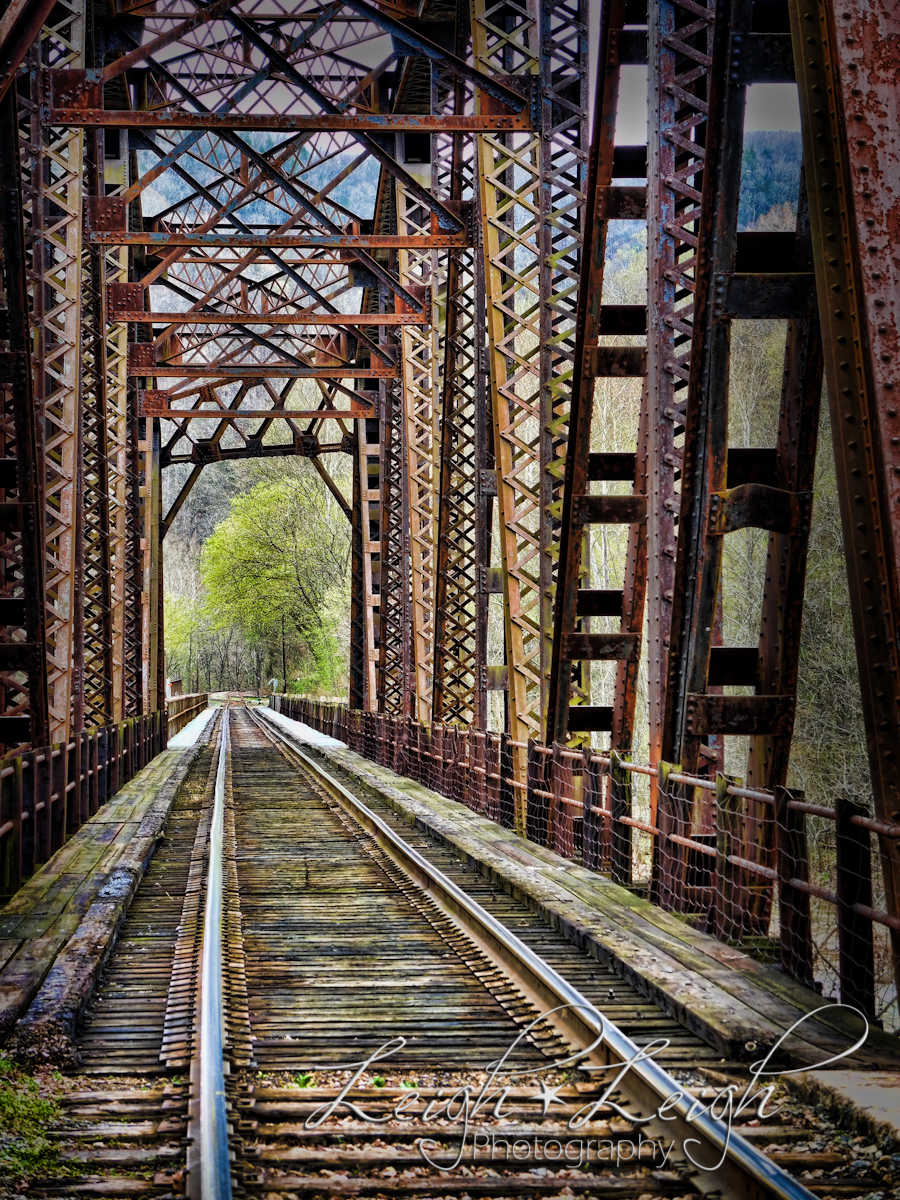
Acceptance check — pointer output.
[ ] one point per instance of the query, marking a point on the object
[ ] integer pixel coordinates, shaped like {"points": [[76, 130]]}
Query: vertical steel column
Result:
{"points": [[704, 464], [24, 683], [368, 448], [845, 59], [460, 654], [680, 45], [96, 588], [357, 693], [419, 362], [52, 164], [564, 61], [132, 516], [133, 629], [580, 508], [149, 499], [506, 41], [393, 677]]}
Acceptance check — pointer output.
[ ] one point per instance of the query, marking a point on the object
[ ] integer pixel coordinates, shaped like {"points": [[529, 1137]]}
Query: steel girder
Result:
{"points": [[531, 198], [846, 65], [23, 676], [575, 646], [203, 255]]}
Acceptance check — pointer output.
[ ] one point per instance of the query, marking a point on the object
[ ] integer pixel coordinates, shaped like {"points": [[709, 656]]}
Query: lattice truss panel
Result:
{"points": [[564, 126], [420, 368], [505, 40], [104, 459], [681, 45], [392, 676], [459, 686], [210, 245], [52, 165]]}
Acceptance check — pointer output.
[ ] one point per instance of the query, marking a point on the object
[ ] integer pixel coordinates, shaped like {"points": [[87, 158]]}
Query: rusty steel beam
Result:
{"points": [[20, 27], [24, 713], [300, 241], [263, 318], [295, 123], [52, 168], [574, 646], [272, 370], [845, 58], [258, 414]]}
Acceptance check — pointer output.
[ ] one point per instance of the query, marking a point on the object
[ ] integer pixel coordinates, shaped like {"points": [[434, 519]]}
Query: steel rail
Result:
{"points": [[743, 1170], [215, 1167]]}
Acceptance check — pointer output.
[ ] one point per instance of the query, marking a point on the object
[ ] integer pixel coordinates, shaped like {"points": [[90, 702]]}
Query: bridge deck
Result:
{"points": [[98, 868], [736, 1003]]}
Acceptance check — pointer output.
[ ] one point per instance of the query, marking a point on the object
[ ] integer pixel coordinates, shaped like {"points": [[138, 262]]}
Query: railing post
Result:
{"points": [[14, 875], [792, 862], [594, 821], [729, 882], [619, 807], [43, 788], [856, 951], [668, 861], [94, 742], [437, 758], [536, 825], [509, 809], [29, 827]]}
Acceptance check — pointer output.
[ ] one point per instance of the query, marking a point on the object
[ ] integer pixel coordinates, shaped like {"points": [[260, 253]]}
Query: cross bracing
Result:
{"points": [[243, 228]]}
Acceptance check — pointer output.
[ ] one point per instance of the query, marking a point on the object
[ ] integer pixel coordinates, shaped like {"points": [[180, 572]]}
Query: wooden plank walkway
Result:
{"points": [[737, 1004], [45, 914]]}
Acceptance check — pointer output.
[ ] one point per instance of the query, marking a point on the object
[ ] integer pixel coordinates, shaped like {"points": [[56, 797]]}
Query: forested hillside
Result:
{"points": [[257, 578]]}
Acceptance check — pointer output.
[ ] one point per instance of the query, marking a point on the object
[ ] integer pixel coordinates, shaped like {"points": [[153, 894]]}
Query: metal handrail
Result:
{"points": [[215, 1167]]}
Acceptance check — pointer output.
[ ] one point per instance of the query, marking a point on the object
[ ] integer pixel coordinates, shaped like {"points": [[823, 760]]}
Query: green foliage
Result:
{"points": [[257, 582], [25, 1151], [770, 174], [305, 1080], [276, 568]]}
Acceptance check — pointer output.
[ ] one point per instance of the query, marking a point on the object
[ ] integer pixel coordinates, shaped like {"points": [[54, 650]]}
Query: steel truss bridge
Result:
{"points": [[182, 286]]}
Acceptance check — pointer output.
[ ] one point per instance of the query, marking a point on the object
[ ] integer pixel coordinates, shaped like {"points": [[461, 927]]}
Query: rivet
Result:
{"points": [[892, 412]]}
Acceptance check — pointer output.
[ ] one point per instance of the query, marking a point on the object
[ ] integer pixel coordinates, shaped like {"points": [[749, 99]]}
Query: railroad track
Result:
{"points": [[345, 935]]}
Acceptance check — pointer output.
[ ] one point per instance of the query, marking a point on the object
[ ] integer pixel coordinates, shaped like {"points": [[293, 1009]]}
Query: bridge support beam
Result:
{"points": [[845, 58]]}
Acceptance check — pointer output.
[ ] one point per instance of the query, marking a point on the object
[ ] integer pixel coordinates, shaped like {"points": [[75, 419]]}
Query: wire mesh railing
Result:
{"points": [[795, 884]]}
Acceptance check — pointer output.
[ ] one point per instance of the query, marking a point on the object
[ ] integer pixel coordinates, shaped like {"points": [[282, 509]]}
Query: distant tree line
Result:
{"points": [[257, 581]]}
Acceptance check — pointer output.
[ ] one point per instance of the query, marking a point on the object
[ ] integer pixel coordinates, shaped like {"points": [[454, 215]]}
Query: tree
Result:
{"points": [[276, 569]]}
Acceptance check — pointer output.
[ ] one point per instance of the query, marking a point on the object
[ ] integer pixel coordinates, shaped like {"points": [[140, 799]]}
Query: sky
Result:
{"points": [[772, 106]]}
